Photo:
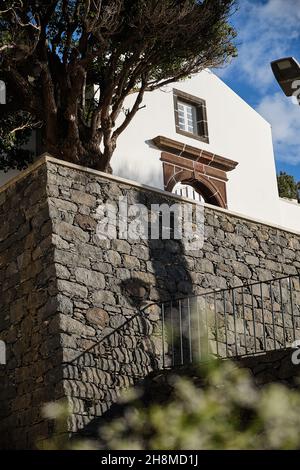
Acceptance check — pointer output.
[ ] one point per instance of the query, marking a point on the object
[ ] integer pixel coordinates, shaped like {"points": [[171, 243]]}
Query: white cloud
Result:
{"points": [[269, 30], [284, 116], [266, 31]]}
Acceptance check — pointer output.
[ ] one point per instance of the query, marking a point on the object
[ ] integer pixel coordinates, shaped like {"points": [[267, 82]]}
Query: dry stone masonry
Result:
{"points": [[71, 302]]}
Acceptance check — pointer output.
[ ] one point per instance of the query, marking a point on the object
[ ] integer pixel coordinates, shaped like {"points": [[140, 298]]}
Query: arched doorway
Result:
{"points": [[198, 188], [203, 171], [186, 190]]}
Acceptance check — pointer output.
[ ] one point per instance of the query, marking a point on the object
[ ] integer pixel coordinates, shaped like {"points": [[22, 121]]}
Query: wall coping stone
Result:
{"points": [[47, 158], [294, 202]]}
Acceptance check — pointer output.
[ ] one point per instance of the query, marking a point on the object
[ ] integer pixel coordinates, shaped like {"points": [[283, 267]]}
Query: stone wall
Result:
{"points": [[70, 302], [28, 295], [273, 366]]}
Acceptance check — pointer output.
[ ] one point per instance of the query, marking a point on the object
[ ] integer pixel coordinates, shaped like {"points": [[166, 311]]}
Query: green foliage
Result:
{"points": [[13, 154], [287, 186], [216, 407], [226, 412]]}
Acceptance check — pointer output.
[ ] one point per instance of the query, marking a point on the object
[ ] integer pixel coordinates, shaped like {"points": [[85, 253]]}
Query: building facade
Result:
{"points": [[199, 139], [200, 133]]}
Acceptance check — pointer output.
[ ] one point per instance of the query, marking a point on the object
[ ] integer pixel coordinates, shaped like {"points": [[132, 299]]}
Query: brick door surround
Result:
{"points": [[203, 170]]}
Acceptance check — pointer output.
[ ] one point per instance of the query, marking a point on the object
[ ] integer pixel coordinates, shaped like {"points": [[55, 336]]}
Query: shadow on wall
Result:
{"points": [[169, 279], [133, 349]]}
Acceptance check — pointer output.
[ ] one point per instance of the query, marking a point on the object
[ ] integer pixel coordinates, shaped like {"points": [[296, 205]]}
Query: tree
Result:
{"points": [[54, 52], [287, 186]]}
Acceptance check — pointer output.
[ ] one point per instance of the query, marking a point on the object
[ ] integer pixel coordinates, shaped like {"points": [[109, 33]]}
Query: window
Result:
{"points": [[187, 117], [190, 116]]}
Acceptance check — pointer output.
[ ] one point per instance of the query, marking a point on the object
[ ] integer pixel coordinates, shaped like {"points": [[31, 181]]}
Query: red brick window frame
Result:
{"points": [[199, 115]]}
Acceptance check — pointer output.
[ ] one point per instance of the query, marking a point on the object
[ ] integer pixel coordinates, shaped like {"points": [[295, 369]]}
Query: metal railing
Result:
{"points": [[232, 322], [238, 321]]}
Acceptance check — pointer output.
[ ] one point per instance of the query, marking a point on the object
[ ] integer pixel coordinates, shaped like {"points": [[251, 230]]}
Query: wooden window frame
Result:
{"points": [[200, 105]]}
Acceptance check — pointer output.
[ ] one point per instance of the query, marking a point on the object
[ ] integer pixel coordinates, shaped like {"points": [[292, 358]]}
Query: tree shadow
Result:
{"points": [[140, 345]]}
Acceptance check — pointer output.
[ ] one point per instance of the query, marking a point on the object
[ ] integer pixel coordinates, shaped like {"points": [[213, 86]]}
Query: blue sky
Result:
{"points": [[268, 30]]}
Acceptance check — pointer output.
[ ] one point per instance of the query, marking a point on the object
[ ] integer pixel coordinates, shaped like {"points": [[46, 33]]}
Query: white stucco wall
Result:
{"points": [[236, 132], [290, 214]]}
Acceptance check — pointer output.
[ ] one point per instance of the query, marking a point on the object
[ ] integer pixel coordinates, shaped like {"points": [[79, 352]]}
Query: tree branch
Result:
{"points": [[27, 125], [132, 112]]}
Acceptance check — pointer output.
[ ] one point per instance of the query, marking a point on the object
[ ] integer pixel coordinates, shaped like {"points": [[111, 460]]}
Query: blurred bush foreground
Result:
{"points": [[215, 406]]}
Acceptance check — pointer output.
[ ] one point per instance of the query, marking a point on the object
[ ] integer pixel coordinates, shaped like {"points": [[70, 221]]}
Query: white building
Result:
{"points": [[199, 139], [199, 132]]}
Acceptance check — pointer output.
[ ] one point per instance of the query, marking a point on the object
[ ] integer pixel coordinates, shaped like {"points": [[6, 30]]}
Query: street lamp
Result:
{"points": [[286, 72]]}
